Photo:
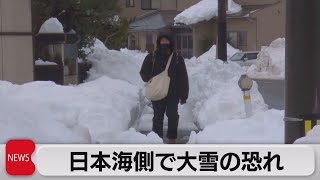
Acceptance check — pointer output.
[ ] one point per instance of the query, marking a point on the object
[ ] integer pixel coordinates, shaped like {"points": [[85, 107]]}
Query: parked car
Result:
{"points": [[245, 58]]}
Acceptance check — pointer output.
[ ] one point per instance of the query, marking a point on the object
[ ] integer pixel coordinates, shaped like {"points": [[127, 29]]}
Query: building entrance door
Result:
{"points": [[184, 42]]}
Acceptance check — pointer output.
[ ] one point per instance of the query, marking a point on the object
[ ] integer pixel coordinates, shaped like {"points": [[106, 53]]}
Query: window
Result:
{"points": [[150, 4], [237, 39], [233, 39], [184, 45], [243, 56], [149, 38], [149, 42], [251, 56], [130, 3], [132, 44], [242, 38], [237, 57]]}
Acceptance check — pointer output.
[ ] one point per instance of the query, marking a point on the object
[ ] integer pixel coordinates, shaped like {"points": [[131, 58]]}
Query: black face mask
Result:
{"points": [[164, 49]]}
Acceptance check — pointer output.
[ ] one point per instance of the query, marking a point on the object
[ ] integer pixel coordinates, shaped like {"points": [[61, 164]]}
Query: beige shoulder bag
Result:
{"points": [[157, 88]]}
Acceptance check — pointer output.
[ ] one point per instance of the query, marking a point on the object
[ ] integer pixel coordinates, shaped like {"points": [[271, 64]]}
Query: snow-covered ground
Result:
{"points": [[211, 53], [202, 70], [49, 113], [118, 65], [214, 91], [216, 103], [98, 111], [271, 62], [263, 127], [204, 11], [312, 137], [135, 53], [215, 94], [102, 109]]}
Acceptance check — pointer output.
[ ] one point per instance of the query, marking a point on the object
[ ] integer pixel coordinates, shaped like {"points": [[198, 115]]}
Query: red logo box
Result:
{"points": [[18, 157]]}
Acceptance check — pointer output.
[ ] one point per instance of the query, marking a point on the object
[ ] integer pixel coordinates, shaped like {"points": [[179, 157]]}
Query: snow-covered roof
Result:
{"points": [[153, 21], [248, 10], [41, 62], [51, 25], [204, 11]]}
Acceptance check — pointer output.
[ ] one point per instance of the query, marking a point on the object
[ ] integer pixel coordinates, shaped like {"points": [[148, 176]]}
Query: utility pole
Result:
{"points": [[302, 68], [222, 30]]}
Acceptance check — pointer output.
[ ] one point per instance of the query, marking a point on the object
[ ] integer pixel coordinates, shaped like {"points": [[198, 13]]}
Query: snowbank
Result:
{"points": [[271, 62], [214, 91], [202, 70], [51, 25], [101, 110], [40, 62], [215, 94], [133, 137], [204, 11], [115, 64], [213, 51], [97, 111], [134, 53], [263, 127], [312, 137]]}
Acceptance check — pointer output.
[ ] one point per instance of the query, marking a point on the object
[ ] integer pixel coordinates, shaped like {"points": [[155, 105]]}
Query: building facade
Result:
{"points": [[153, 17], [16, 41], [257, 24]]}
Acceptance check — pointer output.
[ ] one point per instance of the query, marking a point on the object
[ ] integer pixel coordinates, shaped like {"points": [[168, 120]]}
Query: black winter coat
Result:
{"points": [[179, 84]]}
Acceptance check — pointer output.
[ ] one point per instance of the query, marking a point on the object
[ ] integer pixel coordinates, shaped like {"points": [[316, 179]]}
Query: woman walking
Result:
{"points": [[154, 64]]}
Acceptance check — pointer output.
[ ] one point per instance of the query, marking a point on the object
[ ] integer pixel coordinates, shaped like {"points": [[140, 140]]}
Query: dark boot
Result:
{"points": [[172, 141]]}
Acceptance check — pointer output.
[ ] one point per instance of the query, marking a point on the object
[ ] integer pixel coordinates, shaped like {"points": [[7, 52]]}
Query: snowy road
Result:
{"points": [[273, 92], [111, 108], [144, 124], [142, 121], [183, 135]]}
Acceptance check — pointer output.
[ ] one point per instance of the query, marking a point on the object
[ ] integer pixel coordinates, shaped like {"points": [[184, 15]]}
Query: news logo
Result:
{"points": [[18, 157]]}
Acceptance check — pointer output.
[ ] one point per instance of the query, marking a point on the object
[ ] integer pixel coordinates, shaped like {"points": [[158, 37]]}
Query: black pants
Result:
{"points": [[170, 107]]}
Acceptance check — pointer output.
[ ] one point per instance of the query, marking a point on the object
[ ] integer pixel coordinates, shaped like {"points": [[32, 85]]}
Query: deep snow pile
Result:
{"points": [[204, 11], [217, 106], [212, 52], [114, 64], [214, 91], [49, 113], [215, 94], [271, 62], [134, 53], [312, 137], [51, 25], [263, 127], [98, 111], [199, 90], [133, 137]]}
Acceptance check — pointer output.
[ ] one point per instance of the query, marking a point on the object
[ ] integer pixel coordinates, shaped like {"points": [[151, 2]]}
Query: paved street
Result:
{"points": [[273, 92]]}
